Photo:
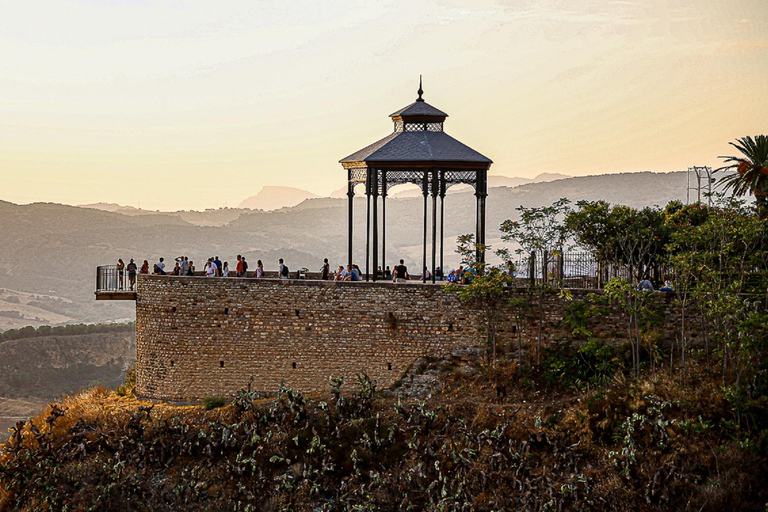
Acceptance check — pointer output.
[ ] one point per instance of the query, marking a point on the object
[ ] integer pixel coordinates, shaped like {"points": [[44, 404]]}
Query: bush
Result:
{"points": [[214, 402]]}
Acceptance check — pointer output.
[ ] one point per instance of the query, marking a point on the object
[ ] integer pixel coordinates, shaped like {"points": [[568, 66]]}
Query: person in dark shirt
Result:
{"points": [[326, 270], [401, 273], [132, 268]]}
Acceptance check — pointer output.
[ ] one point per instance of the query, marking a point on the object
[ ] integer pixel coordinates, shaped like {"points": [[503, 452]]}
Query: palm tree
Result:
{"points": [[751, 167]]}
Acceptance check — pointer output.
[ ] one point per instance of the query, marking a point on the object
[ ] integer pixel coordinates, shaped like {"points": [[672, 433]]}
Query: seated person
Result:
{"points": [[645, 285], [667, 286]]}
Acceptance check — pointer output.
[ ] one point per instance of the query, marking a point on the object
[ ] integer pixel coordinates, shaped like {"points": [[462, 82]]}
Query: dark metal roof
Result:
{"points": [[419, 108], [420, 146]]}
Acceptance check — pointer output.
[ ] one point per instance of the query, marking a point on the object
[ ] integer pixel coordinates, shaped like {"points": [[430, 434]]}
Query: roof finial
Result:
{"points": [[420, 91]]}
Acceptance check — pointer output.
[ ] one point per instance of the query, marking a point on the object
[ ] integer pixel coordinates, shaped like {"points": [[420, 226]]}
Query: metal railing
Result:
{"points": [[567, 269], [110, 279]]}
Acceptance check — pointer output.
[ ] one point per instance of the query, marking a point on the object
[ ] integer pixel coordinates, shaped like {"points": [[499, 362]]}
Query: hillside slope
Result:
{"points": [[649, 445]]}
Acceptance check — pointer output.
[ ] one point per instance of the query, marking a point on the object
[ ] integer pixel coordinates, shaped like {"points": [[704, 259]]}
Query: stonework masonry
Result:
{"points": [[197, 336]]}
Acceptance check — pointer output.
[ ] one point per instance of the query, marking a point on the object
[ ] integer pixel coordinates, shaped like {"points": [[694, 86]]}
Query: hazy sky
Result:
{"points": [[188, 105]]}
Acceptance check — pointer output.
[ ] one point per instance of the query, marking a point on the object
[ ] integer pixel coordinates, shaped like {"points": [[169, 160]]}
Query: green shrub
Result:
{"points": [[214, 402]]}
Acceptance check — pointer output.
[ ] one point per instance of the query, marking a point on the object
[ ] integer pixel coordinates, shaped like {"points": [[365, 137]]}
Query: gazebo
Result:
{"points": [[418, 151]]}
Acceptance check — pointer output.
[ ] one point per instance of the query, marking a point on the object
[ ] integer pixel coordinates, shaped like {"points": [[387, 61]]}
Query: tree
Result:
{"points": [[486, 290], [751, 167], [543, 230]]}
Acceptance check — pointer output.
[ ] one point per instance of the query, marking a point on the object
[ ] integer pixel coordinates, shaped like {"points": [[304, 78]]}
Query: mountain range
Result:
{"points": [[49, 258]]}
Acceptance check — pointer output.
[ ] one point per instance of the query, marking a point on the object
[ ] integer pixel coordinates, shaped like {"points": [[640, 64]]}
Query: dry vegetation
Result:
{"points": [[651, 444]]}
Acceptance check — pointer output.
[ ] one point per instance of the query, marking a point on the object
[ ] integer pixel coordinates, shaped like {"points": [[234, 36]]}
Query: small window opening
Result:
{"points": [[293, 365], [450, 326], [514, 329], [173, 309], [221, 364], [172, 363], [389, 366], [297, 312], [226, 311]]}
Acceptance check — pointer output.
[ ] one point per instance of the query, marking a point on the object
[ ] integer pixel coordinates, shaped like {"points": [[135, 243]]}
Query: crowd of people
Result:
{"points": [[215, 267]]}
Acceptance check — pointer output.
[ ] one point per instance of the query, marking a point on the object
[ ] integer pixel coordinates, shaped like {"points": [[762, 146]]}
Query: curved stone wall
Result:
{"points": [[198, 337]]}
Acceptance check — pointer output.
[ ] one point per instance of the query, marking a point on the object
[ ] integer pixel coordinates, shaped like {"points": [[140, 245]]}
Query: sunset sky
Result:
{"points": [[190, 105]]}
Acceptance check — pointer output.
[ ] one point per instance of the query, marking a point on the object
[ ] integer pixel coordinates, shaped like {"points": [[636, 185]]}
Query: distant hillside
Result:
{"points": [[273, 198], [50, 251], [47, 366]]}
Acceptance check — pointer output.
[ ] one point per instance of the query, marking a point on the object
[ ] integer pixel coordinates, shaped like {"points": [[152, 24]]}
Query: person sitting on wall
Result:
{"points": [[239, 266], [645, 285], [191, 271], [451, 277], [341, 274], [353, 273], [259, 272], [439, 273], [400, 274], [426, 274], [387, 273], [160, 267], [145, 267], [667, 286]]}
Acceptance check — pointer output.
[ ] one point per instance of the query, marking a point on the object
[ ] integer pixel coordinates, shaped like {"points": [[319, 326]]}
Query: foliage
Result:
{"points": [[129, 384], [485, 293], [358, 451], [64, 330], [214, 402], [620, 234], [539, 228], [751, 168], [641, 316]]}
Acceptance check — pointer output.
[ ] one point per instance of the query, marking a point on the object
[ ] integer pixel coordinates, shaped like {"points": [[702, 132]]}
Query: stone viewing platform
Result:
{"points": [[199, 337]]}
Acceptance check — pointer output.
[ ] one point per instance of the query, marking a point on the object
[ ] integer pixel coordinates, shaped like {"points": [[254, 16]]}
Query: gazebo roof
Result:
{"points": [[420, 146], [419, 108], [418, 139]]}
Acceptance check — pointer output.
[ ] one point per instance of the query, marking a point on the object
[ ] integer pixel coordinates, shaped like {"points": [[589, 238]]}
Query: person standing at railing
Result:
{"points": [[120, 271], [132, 273]]}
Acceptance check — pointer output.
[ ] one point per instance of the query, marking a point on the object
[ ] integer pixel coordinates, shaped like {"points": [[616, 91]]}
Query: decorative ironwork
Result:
{"points": [[358, 175], [411, 126], [461, 177]]}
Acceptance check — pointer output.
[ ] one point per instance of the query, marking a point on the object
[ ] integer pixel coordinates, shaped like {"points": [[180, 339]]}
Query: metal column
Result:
{"points": [[367, 222], [375, 193], [350, 196], [434, 220], [425, 192]]}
